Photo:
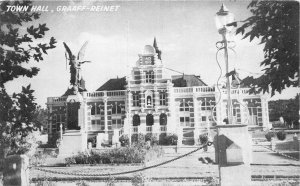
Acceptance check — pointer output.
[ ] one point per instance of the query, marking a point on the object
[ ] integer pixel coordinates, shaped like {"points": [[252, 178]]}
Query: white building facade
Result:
{"points": [[145, 102]]}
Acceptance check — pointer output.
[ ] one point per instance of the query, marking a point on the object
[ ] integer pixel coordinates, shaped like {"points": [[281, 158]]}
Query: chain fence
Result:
{"points": [[125, 172], [281, 154]]}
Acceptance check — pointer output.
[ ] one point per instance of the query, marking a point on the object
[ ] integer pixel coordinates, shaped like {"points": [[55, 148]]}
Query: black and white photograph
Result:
{"points": [[149, 93]]}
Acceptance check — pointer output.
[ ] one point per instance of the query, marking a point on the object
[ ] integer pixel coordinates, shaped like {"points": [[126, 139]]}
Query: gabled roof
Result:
{"points": [[187, 81], [114, 84]]}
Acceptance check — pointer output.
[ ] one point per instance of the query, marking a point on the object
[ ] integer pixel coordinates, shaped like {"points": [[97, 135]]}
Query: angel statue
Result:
{"points": [[75, 64]]}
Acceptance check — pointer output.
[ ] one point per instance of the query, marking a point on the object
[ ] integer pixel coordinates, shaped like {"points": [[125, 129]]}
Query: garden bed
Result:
{"points": [[136, 154]]}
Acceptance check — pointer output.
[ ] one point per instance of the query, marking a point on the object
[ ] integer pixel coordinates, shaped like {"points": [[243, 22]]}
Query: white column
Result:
{"points": [[128, 124], [142, 126], [196, 120], [242, 109], [105, 115], [264, 112], [143, 98], [156, 100], [267, 113], [156, 127], [82, 112], [172, 123], [51, 120]]}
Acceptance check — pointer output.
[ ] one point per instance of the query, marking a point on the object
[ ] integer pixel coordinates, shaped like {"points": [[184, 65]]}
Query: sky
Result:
{"points": [[185, 32]]}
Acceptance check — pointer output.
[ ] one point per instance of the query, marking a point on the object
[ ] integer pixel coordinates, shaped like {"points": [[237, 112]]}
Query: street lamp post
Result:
{"points": [[232, 142], [223, 18]]}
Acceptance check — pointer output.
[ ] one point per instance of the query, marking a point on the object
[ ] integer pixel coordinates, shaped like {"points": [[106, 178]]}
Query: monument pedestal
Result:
{"points": [[233, 153], [73, 141]]}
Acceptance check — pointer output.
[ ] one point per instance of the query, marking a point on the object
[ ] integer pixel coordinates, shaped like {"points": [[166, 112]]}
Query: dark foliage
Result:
{"points": [[152, 138], [281, 135], [124, 140], [171, 139], [18, 112], [269, 136], [137, 153], [288, 109], [276, 25], [203, 139], [93, 140]]}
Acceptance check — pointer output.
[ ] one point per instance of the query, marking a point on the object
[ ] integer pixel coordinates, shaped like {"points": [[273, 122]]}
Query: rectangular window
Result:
{"points": [[96, 125], [181, 119], [54, 127], [162, 98], [116, 124], [150, 77], [135, 100], [185, 121]]}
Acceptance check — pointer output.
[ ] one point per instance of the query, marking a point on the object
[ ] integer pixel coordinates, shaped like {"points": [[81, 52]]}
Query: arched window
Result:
{"points": [[116, 109], [95, 109], [136, 120], [149, 120], [163, 119], [184, 107]]}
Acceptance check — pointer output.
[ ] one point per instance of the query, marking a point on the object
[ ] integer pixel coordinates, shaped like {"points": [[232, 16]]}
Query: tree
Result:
{"points": [[288, 109], [276, 25], [18, 47]]}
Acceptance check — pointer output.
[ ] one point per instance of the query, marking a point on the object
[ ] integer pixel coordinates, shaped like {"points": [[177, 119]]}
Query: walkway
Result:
{"points": [[265, 162]]}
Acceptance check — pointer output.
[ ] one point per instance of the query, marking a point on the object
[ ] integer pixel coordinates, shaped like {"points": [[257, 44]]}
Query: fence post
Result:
{"points": [[16, 171]]}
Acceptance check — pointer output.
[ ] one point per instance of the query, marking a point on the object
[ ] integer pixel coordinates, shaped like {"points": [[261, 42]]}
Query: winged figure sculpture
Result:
{"points": [[75, 63]]}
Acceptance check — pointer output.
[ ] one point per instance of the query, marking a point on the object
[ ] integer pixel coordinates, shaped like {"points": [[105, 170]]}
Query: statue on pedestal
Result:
{"points": [[75, 67], [74, 99]]}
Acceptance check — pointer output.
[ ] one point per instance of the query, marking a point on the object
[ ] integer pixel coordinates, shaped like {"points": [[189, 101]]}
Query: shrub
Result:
{"points": [[135, 138], [53, 139], [162, 139], [152, 138], [127, 154], [139, 179], [281, 135], [171, 139], [111, 181], [93, 140], [82, 183], [269, 136], [124, 140], [203, 138]]}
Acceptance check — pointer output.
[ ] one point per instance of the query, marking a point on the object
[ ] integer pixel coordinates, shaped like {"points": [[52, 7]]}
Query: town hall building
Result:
{"points": [[145, 102]]}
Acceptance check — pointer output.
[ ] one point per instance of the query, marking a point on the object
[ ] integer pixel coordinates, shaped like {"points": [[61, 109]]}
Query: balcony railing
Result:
{"points": [[237, 91], [94, 94], [183, 90], [118, 93], [207, 89], [56, 99]]}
